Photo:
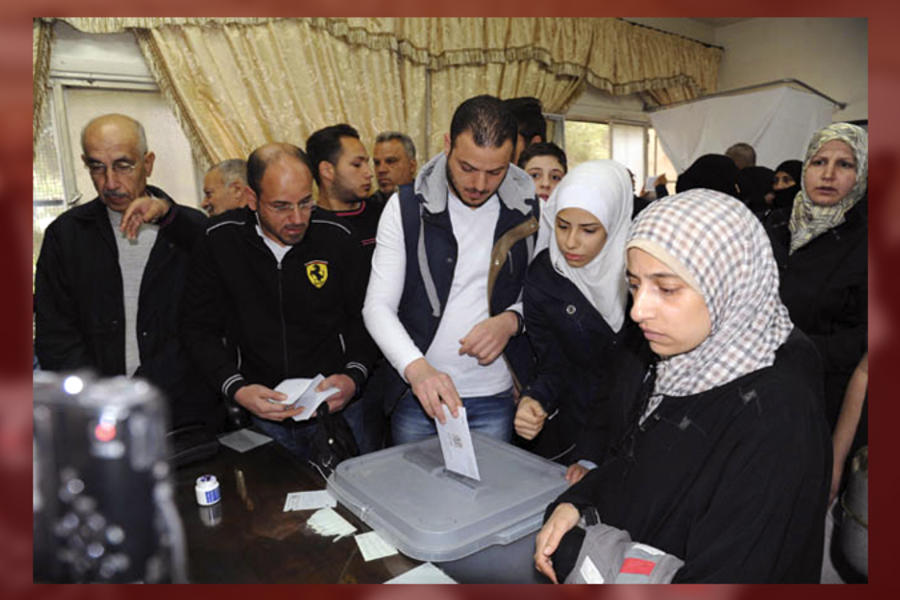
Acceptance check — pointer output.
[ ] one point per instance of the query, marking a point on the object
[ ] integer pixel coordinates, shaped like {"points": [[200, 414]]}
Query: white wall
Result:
{"points": [[830, 55]]}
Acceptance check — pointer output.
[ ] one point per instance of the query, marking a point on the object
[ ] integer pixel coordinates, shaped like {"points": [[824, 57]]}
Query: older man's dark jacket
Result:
{"points": [[79, 307]]}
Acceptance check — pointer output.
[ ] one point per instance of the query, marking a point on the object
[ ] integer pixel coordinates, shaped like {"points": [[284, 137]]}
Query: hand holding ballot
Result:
{"points": [[265, 403], [302, 396], [456, 443]]}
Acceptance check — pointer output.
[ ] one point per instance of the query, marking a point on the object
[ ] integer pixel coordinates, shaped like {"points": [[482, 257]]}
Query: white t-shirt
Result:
{"points": [[467, 303]]}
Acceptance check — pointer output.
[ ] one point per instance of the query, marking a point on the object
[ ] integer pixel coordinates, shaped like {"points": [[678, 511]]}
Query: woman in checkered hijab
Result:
{"points": [[722, 472], [720, 252]]}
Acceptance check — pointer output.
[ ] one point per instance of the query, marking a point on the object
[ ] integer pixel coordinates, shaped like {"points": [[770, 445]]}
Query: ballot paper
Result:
{"points": [[372, 546], [328, 523], [456, 444], [309, 500], [302, 392], [424, 573], [243, 440], [650, 185]]}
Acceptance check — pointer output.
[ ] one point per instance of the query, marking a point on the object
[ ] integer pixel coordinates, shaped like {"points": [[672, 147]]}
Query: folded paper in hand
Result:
{"points": [[302, 392]]}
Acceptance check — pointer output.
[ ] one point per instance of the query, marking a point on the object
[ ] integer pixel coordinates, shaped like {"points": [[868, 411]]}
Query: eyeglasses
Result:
{"points": [[286, 207], [119, 167]]}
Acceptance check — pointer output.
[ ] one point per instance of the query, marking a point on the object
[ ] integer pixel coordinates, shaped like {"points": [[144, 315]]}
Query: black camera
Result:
{"points": [[104, 508]]}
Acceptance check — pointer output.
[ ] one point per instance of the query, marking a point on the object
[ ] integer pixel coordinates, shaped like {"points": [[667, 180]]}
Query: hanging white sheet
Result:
{"points": [[778, 123]]}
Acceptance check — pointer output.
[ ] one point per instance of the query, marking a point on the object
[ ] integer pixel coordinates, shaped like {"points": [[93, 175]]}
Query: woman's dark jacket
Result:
{"points": [[574, 346], [733, 480], [824, 285]]}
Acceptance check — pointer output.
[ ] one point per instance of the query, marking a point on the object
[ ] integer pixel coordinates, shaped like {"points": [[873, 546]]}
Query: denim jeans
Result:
{"points": [[490, 415], [365, 414], [296, 436]]}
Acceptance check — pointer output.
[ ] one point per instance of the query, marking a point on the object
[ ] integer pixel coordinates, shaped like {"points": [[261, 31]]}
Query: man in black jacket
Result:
{"points": [[287, 289], [106, 302], [341, 169]]}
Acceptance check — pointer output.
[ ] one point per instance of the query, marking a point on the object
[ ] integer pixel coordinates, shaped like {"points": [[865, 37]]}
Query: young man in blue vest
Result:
{"points": [[444, 295]]}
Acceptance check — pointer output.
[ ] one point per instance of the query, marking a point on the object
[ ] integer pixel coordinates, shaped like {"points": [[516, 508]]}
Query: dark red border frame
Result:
{"points": [[15, 349]]}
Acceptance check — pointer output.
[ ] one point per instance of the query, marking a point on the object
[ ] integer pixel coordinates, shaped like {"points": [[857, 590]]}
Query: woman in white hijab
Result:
{"points": [[723, 474], [574, 302]]}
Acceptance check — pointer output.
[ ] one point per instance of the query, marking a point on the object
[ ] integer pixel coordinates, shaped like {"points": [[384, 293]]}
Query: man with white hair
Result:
{"points": [[225, 187], [108, 301]]}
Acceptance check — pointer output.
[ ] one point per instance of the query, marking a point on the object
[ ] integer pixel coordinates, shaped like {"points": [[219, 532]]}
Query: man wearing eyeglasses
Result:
{"points": [[108, 301], [287, 289]]}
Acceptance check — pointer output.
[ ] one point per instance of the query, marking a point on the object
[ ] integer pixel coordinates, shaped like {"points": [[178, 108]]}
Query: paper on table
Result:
{"points": [[328, 523], [301, 391], [424, 573], [309, 500], [373, 546], [243, 440], [456, 444]]}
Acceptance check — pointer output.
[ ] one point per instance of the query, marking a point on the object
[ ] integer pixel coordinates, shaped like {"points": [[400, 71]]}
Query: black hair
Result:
{"points": [[260, 159], [325, 144], [487, 118], [530, 117], [543, 149]]}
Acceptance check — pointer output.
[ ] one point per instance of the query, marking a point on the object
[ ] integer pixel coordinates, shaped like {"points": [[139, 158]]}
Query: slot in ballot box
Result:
{"points": [[431, 514]]}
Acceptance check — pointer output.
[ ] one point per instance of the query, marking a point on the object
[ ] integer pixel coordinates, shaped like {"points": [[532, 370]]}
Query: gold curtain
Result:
{"points": [[237, 82], [236, 86], [41, 43]]}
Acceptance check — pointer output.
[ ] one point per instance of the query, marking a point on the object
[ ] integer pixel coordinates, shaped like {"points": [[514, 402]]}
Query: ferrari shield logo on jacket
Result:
{"points": [[317, 272]]}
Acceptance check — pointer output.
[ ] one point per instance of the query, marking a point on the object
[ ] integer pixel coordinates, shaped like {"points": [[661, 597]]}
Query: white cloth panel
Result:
{"points": [[778, 123], [628, 149]]}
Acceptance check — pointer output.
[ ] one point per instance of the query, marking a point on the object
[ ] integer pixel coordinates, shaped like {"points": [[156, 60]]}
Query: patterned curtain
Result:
{"points": [[41, 43], [237, 83]]}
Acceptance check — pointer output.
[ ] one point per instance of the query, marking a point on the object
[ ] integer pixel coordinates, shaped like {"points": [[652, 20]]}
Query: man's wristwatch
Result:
{"points": [[520, 322]]}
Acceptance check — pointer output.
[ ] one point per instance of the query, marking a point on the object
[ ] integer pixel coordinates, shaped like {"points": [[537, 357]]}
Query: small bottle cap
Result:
{"points": [[207, 490]]}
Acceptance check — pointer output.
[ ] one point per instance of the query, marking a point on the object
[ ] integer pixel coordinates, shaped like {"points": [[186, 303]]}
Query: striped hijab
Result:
{"points": [[809, 220], [724, 249]]}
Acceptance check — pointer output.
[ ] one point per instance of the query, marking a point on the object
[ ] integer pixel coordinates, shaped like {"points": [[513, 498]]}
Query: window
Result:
{"points": [[586, 141], [657, 161], [48, 192], [634, 145]]}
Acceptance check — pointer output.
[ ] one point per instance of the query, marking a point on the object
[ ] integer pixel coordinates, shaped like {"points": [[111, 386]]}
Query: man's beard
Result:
{"points": [[346, 194], [455, 191]]}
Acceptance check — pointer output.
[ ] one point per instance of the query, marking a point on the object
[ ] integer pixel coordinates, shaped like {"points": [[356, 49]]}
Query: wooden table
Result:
{"points": [[248, 538]]}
